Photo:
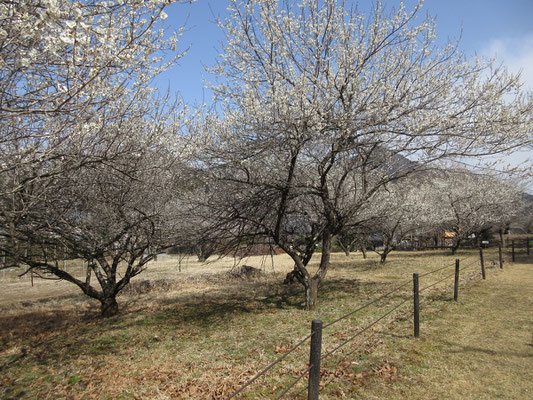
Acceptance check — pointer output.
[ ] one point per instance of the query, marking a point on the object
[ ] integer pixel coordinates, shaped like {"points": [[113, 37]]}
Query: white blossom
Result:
{"points": [[328, 105]]}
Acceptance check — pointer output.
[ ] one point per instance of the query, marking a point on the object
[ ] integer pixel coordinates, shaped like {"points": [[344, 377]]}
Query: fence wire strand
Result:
{"points": [[359, 333], [394, 308], [294, 383], [364, 329], [404, 314], [424, 300], [269, 366], [437, 282], [465, 280], [446, 266], [367, 304], [300, 392], [470, 265], [463, 268], [435, 270], [467, 258]]}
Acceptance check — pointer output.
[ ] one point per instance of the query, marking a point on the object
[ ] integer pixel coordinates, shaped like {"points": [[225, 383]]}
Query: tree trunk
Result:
{"points": [[88, 274], [204, 252], [312, 284], [383, 256], [455, 246], [344, 248], [109, 306], [387, 248], [363, 250], [311, 293]]}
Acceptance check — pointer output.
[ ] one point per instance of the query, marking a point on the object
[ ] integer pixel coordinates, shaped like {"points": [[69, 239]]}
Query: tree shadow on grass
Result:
{"points": [[227, 297], [365, 265], [33, 324], [457, 348], [65, 334], [255, 297], [251, 296]]}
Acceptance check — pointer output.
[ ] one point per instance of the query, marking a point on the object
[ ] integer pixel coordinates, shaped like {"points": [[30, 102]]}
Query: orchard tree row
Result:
{"points": [[420, 210], [325, 120]]}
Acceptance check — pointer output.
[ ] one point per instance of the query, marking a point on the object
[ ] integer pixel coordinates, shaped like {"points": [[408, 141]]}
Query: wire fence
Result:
{"points": [[77, 268], [469, 263], [461, 266], [518, 247], [270, 366]]}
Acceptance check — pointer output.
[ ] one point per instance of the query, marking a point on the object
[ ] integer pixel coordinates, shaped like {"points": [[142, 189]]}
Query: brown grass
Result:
{"points": [[200, 333], [479, 348]]}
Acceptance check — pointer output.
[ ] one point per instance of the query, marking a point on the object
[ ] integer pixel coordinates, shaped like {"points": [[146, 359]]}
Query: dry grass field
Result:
{"points": [[201, 332]]}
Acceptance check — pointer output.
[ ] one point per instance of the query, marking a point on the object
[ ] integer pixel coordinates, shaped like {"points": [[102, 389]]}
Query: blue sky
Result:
{"points": [[487, 27]]}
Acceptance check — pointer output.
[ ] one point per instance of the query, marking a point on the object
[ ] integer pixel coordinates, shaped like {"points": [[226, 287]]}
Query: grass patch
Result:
{"points": [[203, 334], [74, 379]]}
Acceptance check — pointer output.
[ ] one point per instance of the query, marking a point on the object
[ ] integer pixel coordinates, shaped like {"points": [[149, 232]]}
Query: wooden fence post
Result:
{"points": [[416, 306], [456, 282], [527, 245], [26, 266], [482, 262], [500, 258], [512, 250], [314, 360]]}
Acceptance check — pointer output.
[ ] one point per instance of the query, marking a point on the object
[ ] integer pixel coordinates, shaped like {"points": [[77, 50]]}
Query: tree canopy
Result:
{"points": [[322, 105]]}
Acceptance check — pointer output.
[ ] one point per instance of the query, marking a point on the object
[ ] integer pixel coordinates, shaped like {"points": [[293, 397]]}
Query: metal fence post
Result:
{"points": [[314, 360], [512, 250], [416, 306], [482, 262], [527, 245], [500, 258], [456, 282]]}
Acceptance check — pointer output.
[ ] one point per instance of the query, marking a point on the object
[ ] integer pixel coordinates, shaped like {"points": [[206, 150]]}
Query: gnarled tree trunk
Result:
{"points": [[108, 306], [300, 273], [311, 293], [383, 256], [311, 290]]}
